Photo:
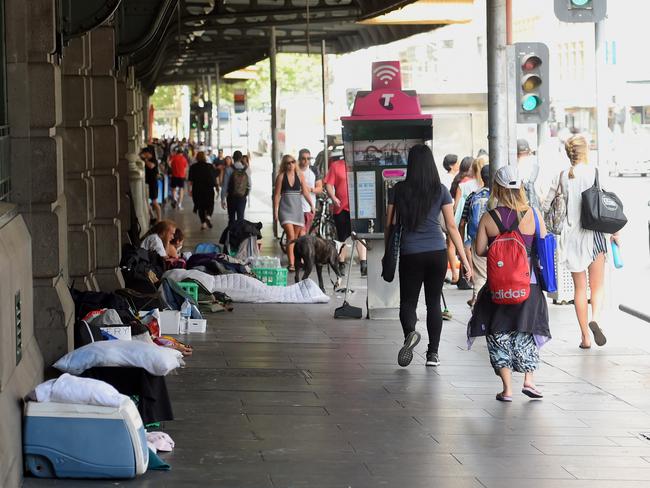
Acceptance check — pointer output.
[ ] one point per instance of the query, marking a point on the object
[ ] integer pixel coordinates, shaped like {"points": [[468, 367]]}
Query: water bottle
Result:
{"points": [[616, 254], [186, 315]]}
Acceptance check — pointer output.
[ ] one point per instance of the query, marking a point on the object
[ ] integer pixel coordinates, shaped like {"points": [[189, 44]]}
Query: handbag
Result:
{"points": [[545, 249], [601, 211], [555, 217], [391, 252]]}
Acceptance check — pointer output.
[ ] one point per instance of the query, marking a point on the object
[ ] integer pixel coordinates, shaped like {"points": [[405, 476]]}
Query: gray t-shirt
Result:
{"points": [[428, 236]]}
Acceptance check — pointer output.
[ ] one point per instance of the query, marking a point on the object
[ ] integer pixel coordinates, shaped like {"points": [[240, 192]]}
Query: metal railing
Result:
{"points": [[635, 313]]}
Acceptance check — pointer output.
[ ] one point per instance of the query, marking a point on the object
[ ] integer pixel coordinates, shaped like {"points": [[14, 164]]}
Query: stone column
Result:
{"points": [[77, 161], [35, 99], [104, 173]]}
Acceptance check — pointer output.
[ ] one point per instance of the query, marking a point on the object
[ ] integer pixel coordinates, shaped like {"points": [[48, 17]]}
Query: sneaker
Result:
{"points": [[405, 355], [364, 268], [446, 315], [342, 268], [180, 206], [432, 359]]}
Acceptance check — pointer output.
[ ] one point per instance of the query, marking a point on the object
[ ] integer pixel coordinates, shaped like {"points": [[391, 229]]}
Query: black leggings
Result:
{"points": [[414, 269]]}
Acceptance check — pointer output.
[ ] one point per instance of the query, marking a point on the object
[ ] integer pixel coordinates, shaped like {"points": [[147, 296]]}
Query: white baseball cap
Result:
{"points": [[508, 177]]}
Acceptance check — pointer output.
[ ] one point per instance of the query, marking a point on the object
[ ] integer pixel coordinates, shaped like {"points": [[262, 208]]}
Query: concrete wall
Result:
{"points": [[18, 375]]}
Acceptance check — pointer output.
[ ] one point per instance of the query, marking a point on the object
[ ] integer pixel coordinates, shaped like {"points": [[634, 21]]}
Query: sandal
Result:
{"points": [[599, 337], [532, 392], [584, 347], [503, 398], [291, 269]]}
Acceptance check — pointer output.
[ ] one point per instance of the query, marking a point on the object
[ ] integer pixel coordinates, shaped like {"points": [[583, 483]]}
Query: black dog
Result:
{"points": [[310, 251]]}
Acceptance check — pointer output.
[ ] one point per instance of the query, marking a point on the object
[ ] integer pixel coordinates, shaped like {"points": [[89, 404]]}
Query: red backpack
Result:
{"points": [[508, 269]]}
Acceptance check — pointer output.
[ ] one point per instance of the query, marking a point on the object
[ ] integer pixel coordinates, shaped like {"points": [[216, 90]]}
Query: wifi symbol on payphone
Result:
{"points": [[385, 73]]}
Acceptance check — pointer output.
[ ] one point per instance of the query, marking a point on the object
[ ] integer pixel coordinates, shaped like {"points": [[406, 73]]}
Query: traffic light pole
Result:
{"points": [[602, 101], [497, 85]]}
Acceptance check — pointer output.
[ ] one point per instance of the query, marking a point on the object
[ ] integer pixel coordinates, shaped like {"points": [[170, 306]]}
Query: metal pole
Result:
{"points": [[275, 156], [497, 85], [217, 102], [324, 73], [208, 138], [602, 101]]}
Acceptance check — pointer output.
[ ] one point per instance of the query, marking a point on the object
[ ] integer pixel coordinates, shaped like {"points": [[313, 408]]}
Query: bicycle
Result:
{"points": [[323, 223]]}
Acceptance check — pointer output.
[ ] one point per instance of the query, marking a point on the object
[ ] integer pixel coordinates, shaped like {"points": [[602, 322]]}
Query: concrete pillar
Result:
{"points": [[35, 101], [77, 161], [103, 173]]}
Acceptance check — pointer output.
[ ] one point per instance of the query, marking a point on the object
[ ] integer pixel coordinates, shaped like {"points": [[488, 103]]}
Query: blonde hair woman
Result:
{"points": [[584, 250], [290, 187], [514, 333]]}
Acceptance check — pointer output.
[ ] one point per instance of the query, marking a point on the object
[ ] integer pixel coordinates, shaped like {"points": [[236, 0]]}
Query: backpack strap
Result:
{"points": [[497, 220]]}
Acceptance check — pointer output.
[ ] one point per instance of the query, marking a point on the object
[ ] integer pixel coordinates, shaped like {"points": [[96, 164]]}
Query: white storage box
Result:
{"points": [[170, 322], [196, 325]]}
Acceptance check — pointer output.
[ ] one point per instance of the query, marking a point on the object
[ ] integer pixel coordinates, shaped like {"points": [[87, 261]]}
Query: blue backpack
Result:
{"points": [[477, 208]]}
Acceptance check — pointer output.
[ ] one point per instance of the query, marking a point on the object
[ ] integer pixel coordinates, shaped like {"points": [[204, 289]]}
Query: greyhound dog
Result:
{"points": [[310, 251]]}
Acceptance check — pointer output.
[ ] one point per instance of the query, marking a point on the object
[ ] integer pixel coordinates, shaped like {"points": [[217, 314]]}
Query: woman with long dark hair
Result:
{"points": [[416, 204]]}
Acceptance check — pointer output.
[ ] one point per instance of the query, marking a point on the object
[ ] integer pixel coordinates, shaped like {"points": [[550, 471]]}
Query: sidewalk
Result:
{"points": [[286, 396]]}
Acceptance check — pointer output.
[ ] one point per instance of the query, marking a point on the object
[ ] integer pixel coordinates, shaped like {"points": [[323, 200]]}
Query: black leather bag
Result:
{"points": [[391, 253], [601, 211]]}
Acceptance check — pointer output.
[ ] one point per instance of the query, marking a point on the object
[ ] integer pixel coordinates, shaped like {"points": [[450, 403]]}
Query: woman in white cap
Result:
{"points": [[514, 332]]}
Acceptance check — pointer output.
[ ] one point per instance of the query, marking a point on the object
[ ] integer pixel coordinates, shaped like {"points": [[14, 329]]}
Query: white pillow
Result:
{"points": [[155, 359]]}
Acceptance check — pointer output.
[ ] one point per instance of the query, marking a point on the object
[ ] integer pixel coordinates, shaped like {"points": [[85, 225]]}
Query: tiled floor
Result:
{"points": [[286, 396]]}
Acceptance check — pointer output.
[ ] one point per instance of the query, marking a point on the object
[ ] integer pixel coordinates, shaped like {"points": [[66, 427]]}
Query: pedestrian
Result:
{"points": [[290, 188], [202, 185], [178, 165], [514, 331], [464, 183], [314, 183], [336, 183], [417, 204], [151, 176], [583, 250], [528, 172], [235, 188], [451, 165], [475, 206]]}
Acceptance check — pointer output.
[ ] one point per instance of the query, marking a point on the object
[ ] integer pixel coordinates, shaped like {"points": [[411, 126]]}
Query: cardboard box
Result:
{"points": [[170, 322], [197, 325]]}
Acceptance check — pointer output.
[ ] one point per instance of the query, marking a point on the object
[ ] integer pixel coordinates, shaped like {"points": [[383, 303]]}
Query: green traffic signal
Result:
{"points": [[530, 103], [580, 3]]}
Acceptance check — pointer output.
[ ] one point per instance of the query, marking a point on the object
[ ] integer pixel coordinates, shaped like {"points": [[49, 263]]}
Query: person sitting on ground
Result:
{"points": [[159, 236], [514, 331], [176, 244]]}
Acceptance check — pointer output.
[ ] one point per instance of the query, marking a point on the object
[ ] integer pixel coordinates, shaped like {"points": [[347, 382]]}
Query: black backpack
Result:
{"points": [[138, 265]]}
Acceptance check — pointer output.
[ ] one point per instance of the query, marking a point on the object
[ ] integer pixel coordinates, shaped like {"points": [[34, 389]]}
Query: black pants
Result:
{"points": [[236, 208], [414, 269]]}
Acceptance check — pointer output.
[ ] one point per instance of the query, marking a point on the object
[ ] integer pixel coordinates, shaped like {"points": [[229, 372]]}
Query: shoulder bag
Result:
{"points": [[545, 250], [556, 214], [391, 252], [601, 211]]}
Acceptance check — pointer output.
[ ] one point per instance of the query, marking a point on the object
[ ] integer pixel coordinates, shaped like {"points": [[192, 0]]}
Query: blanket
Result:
{"points": [[245, 289]]}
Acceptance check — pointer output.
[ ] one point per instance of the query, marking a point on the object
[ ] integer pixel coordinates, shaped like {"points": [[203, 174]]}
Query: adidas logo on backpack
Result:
{"points": [[508, 269]]}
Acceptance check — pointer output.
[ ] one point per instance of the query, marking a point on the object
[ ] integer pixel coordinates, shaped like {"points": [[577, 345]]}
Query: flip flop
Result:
{"points": [[532, 392], [584, 347], [599, 337], [503, 398]]}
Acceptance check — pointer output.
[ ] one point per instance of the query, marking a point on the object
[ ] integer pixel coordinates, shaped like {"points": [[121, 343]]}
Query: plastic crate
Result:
{"points": [[190, 288], [272, 276]]}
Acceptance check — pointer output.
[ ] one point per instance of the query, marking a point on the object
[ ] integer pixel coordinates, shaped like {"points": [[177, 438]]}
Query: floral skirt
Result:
{"points": [[516, 351]]}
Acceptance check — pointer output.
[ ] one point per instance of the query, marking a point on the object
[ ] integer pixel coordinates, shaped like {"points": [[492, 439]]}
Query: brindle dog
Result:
{"points": [[310, 251]]}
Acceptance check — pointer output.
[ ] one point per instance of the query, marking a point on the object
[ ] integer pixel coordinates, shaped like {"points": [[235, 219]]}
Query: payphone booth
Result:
{"points": [[385, 123]]}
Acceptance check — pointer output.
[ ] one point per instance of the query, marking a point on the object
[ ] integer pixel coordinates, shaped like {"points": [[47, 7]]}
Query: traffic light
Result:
{"points": [[580, 10], [532, 80]]}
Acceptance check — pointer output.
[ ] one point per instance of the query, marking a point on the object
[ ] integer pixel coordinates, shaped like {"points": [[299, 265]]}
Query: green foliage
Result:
{"points": [[166, 97]]}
